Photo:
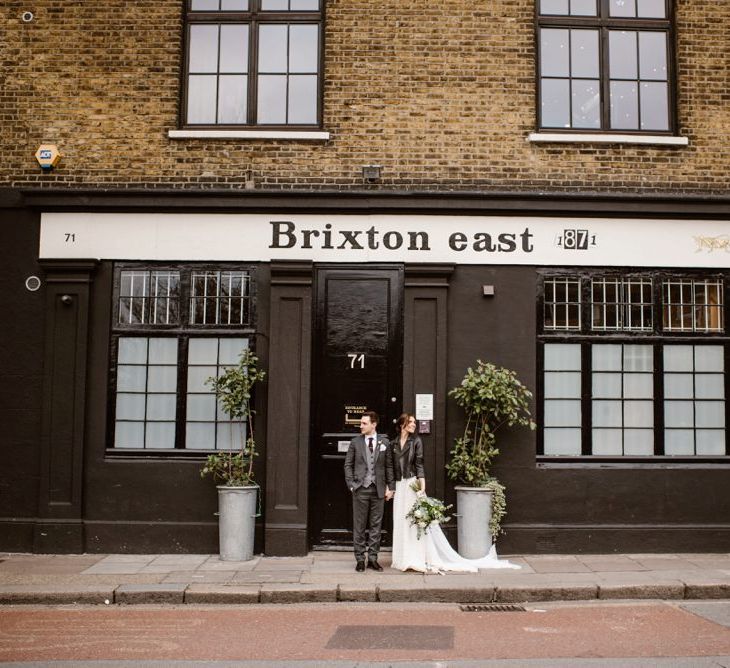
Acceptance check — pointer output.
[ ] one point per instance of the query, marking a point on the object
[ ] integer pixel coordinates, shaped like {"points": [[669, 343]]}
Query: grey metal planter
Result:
{"points": [[474, 511], [236, 522]]}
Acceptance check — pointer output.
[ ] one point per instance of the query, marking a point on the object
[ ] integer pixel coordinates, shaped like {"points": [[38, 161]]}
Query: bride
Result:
{"points": [[432, 552]]}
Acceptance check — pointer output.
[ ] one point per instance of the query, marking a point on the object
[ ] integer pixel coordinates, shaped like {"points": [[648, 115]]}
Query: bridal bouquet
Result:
{"points": [[425, 511]]}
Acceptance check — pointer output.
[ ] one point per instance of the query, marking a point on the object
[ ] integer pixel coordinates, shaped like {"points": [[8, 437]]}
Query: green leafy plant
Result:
{"points": [[492, 397], [234, 390]]}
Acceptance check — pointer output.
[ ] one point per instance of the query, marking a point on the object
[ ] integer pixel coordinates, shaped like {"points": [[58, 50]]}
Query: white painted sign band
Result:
{"points": [[518, 240]]}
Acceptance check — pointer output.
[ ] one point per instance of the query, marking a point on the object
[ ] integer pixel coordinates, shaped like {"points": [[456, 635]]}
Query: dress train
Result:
{"points": [[432, 553]]}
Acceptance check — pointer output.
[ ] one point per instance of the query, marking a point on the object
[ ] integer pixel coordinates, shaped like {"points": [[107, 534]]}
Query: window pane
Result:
{"points": [[303, 99], [228, 436], [203, 351], [234, 5], [161, 407], [622, 7], [204, 5], [710, 414], [200, 436], [203, 48], [679, 414], [272, 99], [130, 406], [197, 375], [606, 442], [638, 358], [273, 48], [678, 386], [162, 379], [231, 349], [653, 56], [201, 407], [275, 5], [709, 386], [607, 385], [638, 386], [622, 58], [129, 435], [679, 442], [131, 378], [562, 385], [586, 104], [678, 358], [562, 356], [638, 413], [201, 99], [555, 103], [583, 7], [606, 357], [654, 106], [561, 442], [160, 435], [651, 9], [304, 5], [709, 358], [624, 105], [607, 413], [232, 97], [554, 53], [638, 442], [163, 351], [562, 413], [584, 53], [303, 48], [234, 49], [132, 350], [554, 7], [710, 442]]}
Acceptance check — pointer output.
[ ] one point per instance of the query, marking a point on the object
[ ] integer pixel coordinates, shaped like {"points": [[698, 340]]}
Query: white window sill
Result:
{"points": [[580, 138], [248, 134]]}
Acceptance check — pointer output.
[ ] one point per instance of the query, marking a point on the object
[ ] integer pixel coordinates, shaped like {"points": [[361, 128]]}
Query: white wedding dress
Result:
{"points": [[431, 553]]}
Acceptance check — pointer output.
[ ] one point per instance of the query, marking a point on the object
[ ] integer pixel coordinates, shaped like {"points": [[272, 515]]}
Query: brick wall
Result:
{"points": [[442, 95]]}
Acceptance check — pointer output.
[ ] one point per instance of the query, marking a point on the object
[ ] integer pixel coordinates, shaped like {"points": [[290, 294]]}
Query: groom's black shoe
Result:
{"points": [[360, 566], [373, 563]]}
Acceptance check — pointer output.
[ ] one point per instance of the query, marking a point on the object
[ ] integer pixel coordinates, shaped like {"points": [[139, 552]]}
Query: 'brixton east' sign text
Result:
{"points": [[285, 234]]}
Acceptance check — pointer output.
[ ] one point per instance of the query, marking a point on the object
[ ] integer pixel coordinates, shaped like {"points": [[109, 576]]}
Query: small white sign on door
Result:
{"points": [[424, 407], [342, 446]]}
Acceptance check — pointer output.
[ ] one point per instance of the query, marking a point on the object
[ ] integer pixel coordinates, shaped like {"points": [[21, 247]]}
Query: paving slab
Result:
{"points": [[153, 593], [55, 594], [216, 564], [212, 593], [192, 577], [552, 564], [299, 593], [254, 577]]}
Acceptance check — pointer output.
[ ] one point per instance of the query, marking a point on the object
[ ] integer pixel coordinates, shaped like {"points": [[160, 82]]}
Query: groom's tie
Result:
{"points": [[370, 444]]}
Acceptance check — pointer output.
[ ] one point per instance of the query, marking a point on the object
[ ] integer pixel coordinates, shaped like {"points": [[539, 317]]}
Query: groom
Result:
{"points": [[369, 477]]}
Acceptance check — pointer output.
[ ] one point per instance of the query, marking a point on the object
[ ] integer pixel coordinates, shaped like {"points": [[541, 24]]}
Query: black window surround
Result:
{"points": [[221, 92], [644, 93], [658, 344], [169, 384]]}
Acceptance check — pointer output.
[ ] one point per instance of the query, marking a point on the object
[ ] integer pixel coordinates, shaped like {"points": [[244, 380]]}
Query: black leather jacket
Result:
{"points": [[408, 462]]}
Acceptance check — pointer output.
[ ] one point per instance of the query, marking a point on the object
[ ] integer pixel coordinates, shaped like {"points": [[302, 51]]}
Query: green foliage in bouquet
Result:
{"points": [[425, 511]]}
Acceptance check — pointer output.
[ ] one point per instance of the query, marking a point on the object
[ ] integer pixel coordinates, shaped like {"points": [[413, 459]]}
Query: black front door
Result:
{"points": [[358, 359]]}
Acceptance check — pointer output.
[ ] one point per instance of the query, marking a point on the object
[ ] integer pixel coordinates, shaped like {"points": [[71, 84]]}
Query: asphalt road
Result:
{"points": [[559, 634]]}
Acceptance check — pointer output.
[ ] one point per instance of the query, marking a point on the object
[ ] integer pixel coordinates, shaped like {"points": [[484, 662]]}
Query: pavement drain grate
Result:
{"points": [[493, 607]]}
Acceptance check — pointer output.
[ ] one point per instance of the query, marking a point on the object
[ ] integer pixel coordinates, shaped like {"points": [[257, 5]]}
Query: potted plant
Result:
{"points": [[492, 397], [237, 492]]}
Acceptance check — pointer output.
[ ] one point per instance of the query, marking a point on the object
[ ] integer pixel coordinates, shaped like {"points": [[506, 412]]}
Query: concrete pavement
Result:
{"points": [[330, 577]]}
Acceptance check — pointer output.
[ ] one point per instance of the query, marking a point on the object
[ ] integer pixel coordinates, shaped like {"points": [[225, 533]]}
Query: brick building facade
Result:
{"points": [[453, 102]]}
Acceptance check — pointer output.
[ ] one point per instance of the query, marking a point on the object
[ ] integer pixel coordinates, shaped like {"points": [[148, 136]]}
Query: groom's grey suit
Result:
{"points": [[367, 480]]}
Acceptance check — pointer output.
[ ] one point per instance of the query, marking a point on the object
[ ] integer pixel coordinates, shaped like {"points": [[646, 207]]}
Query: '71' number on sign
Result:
{"points": [[576, 240], [357, 360]]}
